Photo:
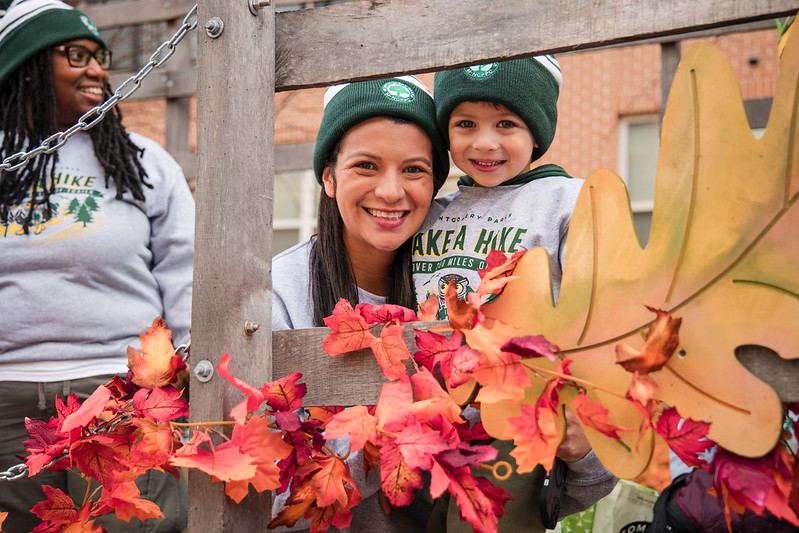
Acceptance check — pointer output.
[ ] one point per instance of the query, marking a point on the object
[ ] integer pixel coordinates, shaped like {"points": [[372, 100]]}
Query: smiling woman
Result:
{"points": [[96, 241], [380, 159]]}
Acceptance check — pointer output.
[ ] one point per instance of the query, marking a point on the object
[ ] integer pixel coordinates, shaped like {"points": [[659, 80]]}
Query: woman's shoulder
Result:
{"points": [[291, 256]]}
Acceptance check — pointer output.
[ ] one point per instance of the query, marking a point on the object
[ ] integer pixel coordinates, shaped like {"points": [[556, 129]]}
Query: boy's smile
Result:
{"points": [[489, 142]]}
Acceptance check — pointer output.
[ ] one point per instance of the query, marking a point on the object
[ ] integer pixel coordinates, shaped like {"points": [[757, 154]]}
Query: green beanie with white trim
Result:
{"points": [[349, 104], [528, 87], [29, 26]]}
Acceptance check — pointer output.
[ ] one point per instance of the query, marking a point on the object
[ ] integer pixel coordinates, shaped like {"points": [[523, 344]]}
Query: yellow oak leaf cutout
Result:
{"points": [[723, 256]]}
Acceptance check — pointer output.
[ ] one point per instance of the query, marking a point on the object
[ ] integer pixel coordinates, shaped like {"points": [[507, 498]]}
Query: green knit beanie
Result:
{"points": [[29, 26], [352, 103], [528, 87]]}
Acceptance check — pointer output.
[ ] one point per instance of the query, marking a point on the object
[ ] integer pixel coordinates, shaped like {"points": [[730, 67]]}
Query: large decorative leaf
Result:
{"points": [[722, 256]]}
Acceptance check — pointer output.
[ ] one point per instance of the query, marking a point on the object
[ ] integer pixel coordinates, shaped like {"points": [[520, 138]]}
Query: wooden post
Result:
{"points": [[233, 246]]}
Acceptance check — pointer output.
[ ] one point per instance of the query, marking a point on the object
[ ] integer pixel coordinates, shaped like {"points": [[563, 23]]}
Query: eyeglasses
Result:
{"points": [[79, 56]]}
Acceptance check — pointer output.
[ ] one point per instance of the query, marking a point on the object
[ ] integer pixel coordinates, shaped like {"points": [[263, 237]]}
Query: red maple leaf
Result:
{"points": [[394, 397], [464, 363], [355, 422], [45, 443], [432, 400], [418, 444], [532, 346], [687, 439], [480, 502], [98, 456], [126, 502], [57, 507], [381, 314], [161, 404], [498, 271], [298, 503], [398, 479], [535, 436], [662, 340], [88, 411], [284, 394], [156, 365], [436, 349], [391, 352], [595, 416]]}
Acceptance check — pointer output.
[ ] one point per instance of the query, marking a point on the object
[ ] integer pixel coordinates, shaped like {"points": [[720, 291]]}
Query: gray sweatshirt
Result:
{"points": [[93, 271], [463, 227]]}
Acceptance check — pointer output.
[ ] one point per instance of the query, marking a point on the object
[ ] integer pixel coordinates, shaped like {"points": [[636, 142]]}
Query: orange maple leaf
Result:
{"points": [[462, 313], [394, 397], [153, 444], [432, 400], [126, 501], [226, 462], [2, 519], [391, 352], [429, 309], [156, 365], [595, 416], [355, 422], [350, 333], [398, 479], [498, 271], [265, 447], [328, 475], [535, 436], [502, 375], [662, 339]]}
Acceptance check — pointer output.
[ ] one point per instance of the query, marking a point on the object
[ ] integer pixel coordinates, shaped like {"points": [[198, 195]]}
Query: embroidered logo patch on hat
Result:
{"points": [[481, 71], [398, 91], [88, 23]]}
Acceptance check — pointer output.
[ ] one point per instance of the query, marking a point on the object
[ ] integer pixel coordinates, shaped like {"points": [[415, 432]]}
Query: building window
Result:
{"points": [[638, 152], [295, 205]]}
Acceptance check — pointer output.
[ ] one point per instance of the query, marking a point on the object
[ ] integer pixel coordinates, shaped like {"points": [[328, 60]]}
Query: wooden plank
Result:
{"points": [[371, 38], [133, 12], [172, 82], [355, 378], [347, 379], [232, 274]]}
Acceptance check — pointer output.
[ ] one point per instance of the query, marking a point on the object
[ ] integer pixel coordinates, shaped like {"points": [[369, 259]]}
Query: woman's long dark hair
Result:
{"points": [[332, 277], [28, 116]]}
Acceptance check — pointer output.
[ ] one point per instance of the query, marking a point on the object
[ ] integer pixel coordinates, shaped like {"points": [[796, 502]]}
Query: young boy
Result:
{"points": [[497, 119]]}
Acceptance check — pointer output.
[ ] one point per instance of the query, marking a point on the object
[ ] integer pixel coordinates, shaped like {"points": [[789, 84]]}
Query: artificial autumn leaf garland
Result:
{"points": [[125, 429]]}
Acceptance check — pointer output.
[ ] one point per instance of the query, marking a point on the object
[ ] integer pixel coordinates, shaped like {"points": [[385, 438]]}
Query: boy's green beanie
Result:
{"points": [[29, 26], [351, 103], [528, 87]]}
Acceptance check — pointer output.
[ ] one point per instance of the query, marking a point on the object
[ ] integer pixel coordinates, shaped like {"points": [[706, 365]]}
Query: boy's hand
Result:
{"points": [[575, 445]]}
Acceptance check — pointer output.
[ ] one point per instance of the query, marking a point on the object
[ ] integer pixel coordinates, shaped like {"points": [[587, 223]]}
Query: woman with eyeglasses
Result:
{"points": [[96, 241]]}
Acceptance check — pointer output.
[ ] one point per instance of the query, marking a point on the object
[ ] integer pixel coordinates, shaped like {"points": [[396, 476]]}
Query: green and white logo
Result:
{"points": [[88, 24], [481, 71], [398, 91]]}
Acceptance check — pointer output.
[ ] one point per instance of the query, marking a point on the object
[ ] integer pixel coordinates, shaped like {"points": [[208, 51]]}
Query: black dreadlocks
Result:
{"points": [[28, 107]]}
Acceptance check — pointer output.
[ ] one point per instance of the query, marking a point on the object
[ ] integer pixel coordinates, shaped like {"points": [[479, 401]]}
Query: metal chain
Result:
{"points": [[88, 121], [95, 115]]}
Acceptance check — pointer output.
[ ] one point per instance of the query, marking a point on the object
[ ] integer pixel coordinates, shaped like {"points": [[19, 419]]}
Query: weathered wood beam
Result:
{"points": [[233, 242], [373, 38], [355, 378]]}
